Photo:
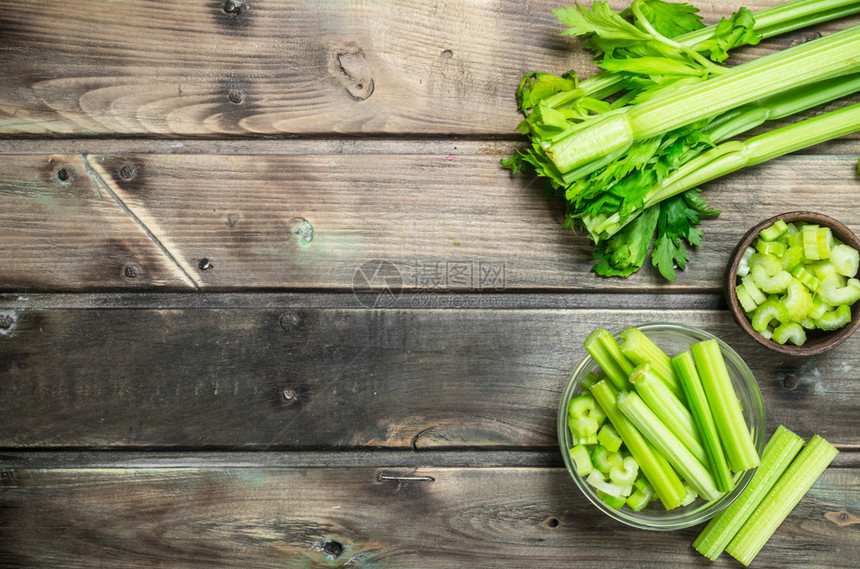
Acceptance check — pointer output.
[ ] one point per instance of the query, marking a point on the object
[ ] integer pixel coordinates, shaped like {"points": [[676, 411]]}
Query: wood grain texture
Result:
{"points": [[264, 222], [346, 378], [270, 68], [365, 517]]}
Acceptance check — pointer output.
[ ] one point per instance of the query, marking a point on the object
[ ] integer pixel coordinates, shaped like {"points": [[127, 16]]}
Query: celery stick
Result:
{"points": [[639, 349], [671, 411], [685, 368], [738, 445], [658, 434], [781, 500], [663, 479], [604, 348], [778, 454]]}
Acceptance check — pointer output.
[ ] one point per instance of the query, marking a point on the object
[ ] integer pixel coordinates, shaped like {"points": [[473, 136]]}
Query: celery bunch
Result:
{"points": [[627, 148]]}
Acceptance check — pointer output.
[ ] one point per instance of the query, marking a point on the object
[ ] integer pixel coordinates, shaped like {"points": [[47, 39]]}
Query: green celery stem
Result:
{"points": [[740, 450], [795, 482], [659, 435], [604, 349], [659, 473], [779, 452], [685, 369], [669, 409], [639, 349]]}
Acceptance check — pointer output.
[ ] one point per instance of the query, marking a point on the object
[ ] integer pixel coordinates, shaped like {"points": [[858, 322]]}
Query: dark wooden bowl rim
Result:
{"points": [[817, 342]]}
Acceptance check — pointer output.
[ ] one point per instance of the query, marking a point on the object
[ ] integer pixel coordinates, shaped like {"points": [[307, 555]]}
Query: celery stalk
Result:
{"points": [[604, 348], [669, 409], [780, 450], [658, 434], [738, 445], [685, 368], [769, 22], [781, 500], [659, 473], [826, 57], [640, 349]]}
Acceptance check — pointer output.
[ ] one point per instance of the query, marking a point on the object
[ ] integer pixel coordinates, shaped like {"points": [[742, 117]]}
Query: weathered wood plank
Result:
{"points": [[61, 224], [444, 222], [279, 68], [366, 517], [321, 378]]}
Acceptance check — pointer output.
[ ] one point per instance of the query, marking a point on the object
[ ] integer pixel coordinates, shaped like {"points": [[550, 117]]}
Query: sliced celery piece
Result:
{"points": [[755, 293], [626, 473], [792, 257], [584, 416], [669, 409], [797, 300], [612, 501], [581, 460], [664, 480], [771, 284], [774, 231], [604, 460], [778, 453], [832, 294], [745, 299], [795, 482], [845, 259], [824, 239], [767, 312], [738, 445], [609, 438], [638, 500], [685, 368], [834, 319], [809, 280], [770, 247], [790, 332], [604, 348], [693, 471], [596, 480]]}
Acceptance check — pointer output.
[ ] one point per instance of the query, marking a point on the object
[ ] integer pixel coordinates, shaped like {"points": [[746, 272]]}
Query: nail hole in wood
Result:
{"points": [[63, 175], [553, 523], [126, 172], [131, 271], [289, 394], [235, 7], [235, 97], [205, 264], [790, 382], [333, 548], [447, 54]]}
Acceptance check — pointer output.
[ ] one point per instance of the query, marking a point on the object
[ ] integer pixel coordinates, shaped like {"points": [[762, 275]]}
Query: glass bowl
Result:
{"points": [[672, 339]]}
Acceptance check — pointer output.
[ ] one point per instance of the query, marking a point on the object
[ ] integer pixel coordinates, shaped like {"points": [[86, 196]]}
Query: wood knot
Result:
{"points": [[205, 264], [127, 171], [235, 97], [350, 66], [64, 175], [235, 7]]}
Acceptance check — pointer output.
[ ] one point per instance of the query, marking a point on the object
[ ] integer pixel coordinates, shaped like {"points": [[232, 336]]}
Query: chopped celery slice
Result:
{"points": [[685, 368], [770, 247], [690, 496], [771, 284], [608, 438], [824, 238], [770, 263], [774, 231], [744, 264], [797, 300], [599, 483], [664, 480], [832, 294], [745, 299], [824, 270], [581, 460], [810, 242], [755, 293], [845, 259], [640, 349], [584, 416], [693, 471], [612, 501], [790, 332], [738, 445], [669, 409], [792, 257], [834, 319], [794, 483], [603, 459], [778, 453], [767, 312], [626, 473], [604, 348], [818, 308], [638, 500], [809, 280]]}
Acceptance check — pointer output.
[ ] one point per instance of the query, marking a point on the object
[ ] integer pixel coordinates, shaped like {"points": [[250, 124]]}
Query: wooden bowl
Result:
{"points": [[817, 341]]}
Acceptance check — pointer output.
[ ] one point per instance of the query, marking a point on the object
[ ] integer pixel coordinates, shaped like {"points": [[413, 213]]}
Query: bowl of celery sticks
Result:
{"points": [[661, 426], [791, 283]]}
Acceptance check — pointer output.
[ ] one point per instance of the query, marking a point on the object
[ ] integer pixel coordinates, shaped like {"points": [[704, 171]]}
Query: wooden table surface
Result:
{"points": [[191, 191]]}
